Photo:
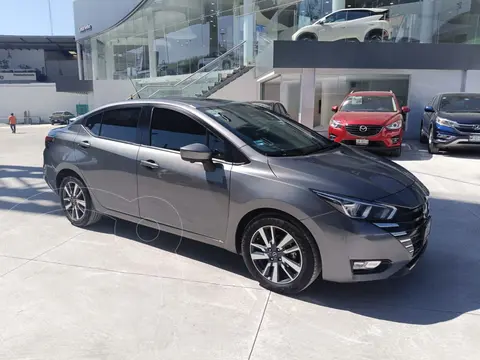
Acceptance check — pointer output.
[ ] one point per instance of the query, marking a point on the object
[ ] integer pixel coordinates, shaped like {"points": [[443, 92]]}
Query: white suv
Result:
{"points": [[360, 24]]}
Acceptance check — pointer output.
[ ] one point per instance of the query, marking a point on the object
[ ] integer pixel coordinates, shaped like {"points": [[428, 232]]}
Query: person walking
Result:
{"points": [[12, 120]]}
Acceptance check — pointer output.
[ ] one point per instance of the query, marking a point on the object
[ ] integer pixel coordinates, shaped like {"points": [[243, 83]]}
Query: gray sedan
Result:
{"points": [[294, 204]]}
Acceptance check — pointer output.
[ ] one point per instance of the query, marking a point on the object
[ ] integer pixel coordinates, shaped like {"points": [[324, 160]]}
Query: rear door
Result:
{"points": [[106, 154], [178, 193]]}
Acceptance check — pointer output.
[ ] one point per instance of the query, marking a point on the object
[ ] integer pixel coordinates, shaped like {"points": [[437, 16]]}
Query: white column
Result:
{"points": [[248, 31], [333, 93], [94, 45], [152, 56], [79, 61], [338, 4], [109, 60], [427, 20], [306, 114]]}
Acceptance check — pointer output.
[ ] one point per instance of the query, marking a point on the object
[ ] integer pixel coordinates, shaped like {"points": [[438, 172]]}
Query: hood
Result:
{"points": [[364, 118], [344, 171], [460, 117]]}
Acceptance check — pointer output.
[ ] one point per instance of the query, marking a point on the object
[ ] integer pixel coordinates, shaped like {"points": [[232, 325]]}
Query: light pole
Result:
{"points": [[50, 16]]}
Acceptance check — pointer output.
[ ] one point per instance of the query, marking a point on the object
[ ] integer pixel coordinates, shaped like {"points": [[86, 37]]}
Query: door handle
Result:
{"points": [[149, 164], [84, 144]]}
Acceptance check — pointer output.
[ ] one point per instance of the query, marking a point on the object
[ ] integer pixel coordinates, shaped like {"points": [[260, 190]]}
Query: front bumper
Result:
{"points": [[343, 241], [385, 140], [447, 137]]}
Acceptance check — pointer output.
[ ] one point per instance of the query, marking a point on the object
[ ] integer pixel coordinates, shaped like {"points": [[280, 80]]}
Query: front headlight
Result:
{"points": [[335, 124], [446, 122], [359, 209], [395, 125]]}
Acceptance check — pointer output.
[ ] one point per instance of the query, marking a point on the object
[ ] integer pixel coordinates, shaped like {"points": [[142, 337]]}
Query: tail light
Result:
{"points": [[48, 140]]}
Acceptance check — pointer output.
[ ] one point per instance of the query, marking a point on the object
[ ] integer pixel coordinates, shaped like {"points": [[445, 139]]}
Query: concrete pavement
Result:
{"points": [[104, 293]]}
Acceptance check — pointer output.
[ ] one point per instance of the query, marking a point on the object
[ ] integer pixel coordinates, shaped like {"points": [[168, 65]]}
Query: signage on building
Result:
{"points": [[19, 76], [86, 28]]}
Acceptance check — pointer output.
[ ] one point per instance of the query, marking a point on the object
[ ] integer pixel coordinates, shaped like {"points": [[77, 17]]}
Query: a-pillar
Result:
{"points": [[94, 45], [338, 5], [79, 61], [152, 54], [427, 21], [306, 113], [248, 31]]}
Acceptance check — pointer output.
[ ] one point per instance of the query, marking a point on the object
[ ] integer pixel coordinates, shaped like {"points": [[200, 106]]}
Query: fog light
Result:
{"points": [[395, 140], [332, 137], [365, 265], [444, 136]]}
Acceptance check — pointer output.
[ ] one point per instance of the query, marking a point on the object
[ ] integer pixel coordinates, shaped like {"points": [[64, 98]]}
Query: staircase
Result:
{"points": [[202, 83]]}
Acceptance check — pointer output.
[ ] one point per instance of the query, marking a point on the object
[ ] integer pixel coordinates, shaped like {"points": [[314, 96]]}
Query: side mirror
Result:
{"points": [[405, 109], [335, 108], [196, 153], [429, 109]]}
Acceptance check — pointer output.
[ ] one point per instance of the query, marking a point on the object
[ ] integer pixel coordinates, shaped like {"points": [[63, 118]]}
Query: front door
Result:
{"points": [[107, 158], [177, 193]]}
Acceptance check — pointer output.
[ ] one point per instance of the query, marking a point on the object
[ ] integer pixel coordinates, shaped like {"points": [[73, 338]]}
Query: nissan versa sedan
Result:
{"points": [[451, 121], [293, 203]]}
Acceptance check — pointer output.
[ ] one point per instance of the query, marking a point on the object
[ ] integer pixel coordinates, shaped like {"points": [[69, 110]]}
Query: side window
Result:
{"points": [[358, 14], [217, 145], [93, 123], [336, 17], [120, 124], [172, 130]]}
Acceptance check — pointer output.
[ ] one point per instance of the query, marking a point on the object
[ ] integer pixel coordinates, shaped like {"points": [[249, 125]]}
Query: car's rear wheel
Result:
{"points": [[432, 147], [77, 203], [280, 255]]}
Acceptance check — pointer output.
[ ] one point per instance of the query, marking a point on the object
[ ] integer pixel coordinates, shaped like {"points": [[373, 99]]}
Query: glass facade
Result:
{"points": [[178, 37]]}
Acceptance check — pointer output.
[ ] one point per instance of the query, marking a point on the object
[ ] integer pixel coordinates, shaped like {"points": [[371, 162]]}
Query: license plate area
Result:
{"points": [[474, 138], [362, 142]]}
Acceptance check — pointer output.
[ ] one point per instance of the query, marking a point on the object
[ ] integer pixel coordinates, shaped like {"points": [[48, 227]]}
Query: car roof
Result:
{"points": [[371, 93], [378, 10], [266, 102], [459, 94]]}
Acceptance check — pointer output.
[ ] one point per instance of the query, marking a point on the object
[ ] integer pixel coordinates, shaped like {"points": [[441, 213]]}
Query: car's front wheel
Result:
{"points": [[307, 37], [432, 147], [423, 137], [281, 255], [77, 203]]}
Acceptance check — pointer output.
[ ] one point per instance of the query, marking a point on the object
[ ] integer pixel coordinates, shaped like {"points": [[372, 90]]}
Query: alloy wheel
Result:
{"points": [[276, 255], [74, 201]]}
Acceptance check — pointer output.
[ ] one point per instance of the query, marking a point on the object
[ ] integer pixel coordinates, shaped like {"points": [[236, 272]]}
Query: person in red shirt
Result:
{"points": [[12, 120]]}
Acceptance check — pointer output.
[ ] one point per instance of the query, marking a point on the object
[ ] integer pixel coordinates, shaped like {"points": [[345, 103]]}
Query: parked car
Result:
{"points": [[271, 105], [61, 117], [371, 119], [451, 120], [362, 24], [293, 203]]}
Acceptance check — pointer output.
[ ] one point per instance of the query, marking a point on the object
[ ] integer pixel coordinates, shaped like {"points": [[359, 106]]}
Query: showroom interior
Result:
{"points": [[159, 47]]}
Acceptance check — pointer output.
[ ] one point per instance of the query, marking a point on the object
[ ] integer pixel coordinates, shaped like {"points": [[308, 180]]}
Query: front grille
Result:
{"points": [[363, 130], [409, 227], [467, 128]]}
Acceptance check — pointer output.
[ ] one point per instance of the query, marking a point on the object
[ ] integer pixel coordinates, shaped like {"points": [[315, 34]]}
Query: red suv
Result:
{"points": [[371, 119]]}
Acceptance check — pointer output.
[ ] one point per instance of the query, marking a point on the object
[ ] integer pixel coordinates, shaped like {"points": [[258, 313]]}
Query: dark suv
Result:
{"points": [[61, 117], [293, 203]]}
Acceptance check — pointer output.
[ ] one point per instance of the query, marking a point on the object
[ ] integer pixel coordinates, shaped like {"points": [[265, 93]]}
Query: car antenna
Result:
{"points": [[134, 88]]}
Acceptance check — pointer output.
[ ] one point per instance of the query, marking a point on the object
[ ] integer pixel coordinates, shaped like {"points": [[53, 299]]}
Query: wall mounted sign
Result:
{"points": [[85, 28]]}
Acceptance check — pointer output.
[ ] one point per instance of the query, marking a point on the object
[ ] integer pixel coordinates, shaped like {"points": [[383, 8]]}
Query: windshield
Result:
{"points": [[460, 103], [369, 104], [268, 133]]}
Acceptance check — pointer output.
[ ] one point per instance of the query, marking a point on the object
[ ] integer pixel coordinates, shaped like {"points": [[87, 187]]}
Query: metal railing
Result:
{"points": [[214, 65]]}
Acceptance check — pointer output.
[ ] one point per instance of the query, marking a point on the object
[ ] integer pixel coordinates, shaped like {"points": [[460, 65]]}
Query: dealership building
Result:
{"points": [[243, 50]]}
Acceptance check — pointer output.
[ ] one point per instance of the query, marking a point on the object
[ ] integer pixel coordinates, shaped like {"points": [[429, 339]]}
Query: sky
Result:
{"points": [[30, 17]]}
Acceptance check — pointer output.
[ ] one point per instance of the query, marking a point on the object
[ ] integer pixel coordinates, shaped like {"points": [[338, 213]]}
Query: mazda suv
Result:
{"points": [[294, 204]]}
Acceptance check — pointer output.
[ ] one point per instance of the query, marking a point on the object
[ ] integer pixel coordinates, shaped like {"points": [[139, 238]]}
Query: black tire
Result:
{"points": [[397, 152], [90, 215], [53, 123], [307, 253], [307, 37], [432, 147], [375, 36], [423, 137]]}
